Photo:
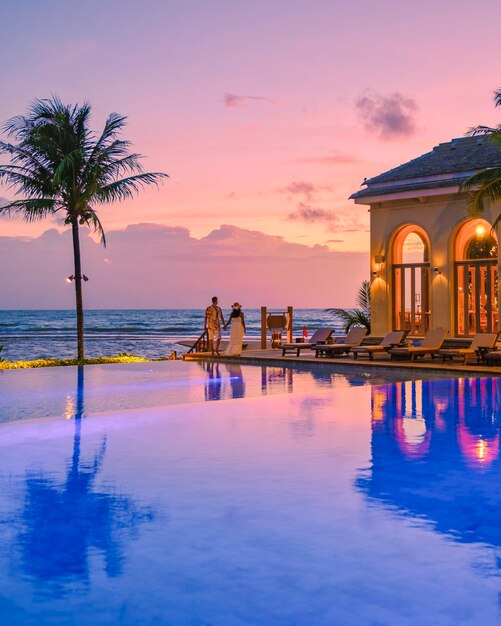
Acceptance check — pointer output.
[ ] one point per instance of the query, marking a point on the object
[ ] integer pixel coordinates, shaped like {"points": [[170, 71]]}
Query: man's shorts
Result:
{"points": [[214, 334]]}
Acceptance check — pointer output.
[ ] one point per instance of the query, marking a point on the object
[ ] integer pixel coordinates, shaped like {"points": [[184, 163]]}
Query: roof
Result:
{"points": [[447, 165]]}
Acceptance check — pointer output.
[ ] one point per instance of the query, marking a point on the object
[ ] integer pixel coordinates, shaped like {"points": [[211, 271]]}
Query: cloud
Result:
{"points": [[303, 188], [154, 266], [299, 187], [333, 221], [311, 214], [389, 117], [231, 100]]}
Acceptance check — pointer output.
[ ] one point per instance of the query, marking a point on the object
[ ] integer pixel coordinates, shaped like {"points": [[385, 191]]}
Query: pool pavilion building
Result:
{"points": [[432, 265]]}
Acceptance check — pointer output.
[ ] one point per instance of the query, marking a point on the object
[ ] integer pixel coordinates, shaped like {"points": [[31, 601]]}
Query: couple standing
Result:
{"points": [[214, 320]]}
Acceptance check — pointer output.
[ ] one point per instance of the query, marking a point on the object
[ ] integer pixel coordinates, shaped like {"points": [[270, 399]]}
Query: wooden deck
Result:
{"points": [[274, 357]]}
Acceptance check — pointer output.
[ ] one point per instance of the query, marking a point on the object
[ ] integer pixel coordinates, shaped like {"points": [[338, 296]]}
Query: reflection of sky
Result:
{"points": [[47, 391], [244, 512]]}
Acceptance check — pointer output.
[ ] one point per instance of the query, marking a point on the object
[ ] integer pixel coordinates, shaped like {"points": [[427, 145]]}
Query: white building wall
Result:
{"points": [[440, 217]]}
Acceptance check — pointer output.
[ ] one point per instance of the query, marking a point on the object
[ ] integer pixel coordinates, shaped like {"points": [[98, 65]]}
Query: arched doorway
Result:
{"points": [[411, 280], [476, 279]]}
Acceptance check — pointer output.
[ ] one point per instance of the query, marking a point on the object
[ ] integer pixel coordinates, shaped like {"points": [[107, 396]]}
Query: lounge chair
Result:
{"points": [[321, 335], [389, 340], [431, 345], [353, 340], [480, 345]]}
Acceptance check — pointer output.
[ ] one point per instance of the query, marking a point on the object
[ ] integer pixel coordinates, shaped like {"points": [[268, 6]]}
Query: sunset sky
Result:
{"points": [[266, 115]]}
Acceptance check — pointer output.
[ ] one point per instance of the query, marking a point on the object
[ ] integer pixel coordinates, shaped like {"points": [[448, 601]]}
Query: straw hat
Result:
{"points": [[236, 306]]}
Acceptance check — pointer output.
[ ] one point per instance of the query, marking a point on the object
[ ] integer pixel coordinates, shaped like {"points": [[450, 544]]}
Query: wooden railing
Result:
{"points": [[201, 344]]}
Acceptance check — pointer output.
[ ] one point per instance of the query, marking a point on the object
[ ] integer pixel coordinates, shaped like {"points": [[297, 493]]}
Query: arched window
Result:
{"points": [[414, 249], [476, 273], [411, 280]]}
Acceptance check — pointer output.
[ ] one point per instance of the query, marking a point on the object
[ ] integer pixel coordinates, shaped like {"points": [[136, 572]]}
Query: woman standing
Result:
{"points": [[237, 321]]}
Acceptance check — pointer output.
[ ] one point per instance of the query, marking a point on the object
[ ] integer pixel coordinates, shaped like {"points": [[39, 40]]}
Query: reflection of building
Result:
{"points": [[435, 454], [432, 265]]}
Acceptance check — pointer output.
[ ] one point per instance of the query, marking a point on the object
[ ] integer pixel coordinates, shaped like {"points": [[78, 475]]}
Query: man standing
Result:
{"points": [[213, 320]]}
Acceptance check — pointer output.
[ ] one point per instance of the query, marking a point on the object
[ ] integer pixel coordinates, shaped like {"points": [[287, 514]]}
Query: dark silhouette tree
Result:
{"points": [[58, 165], [486, 184], [359, 316]]}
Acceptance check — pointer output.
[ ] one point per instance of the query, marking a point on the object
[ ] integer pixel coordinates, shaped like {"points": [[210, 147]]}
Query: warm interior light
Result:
{"points": [[480, 230], [482, 450]]}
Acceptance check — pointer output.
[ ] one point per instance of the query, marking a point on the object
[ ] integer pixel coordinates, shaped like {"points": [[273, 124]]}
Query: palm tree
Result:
{"points": [[58, 165], [485, 184], [361, 315]]}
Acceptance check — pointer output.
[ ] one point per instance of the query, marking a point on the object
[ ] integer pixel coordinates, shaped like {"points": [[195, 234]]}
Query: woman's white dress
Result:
{"points": [[236, 337]]}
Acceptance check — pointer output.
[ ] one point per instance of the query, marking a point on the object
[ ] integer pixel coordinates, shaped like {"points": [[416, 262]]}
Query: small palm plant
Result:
{"points": [[59, 166], [359, 316], [485, 184]]}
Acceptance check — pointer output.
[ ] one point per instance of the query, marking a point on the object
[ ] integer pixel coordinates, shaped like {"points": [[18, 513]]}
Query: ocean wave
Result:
{"points": [[28, 334], [158, 330]]}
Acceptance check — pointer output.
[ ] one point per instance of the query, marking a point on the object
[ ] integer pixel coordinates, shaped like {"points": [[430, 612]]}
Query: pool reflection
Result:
{"points": [[62, 521], [435, 454], [231, 379]]}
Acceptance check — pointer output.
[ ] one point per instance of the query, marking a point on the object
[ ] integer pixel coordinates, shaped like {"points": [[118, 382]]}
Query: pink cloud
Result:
{"points": [[390, 117], [333, 221], [232, 100], [153, 266], [311, 214], [300, 187], [303, 188]]}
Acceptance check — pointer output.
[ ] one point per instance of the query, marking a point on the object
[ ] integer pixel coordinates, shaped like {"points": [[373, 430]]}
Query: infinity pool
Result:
{"points": [[179, 494]]}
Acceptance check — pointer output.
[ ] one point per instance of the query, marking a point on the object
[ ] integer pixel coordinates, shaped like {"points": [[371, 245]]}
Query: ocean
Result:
{"points": [[150, 333]]}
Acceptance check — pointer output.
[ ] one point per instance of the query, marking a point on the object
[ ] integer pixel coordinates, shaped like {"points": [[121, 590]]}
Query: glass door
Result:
{"points": [[476, 297], [411, 297]]}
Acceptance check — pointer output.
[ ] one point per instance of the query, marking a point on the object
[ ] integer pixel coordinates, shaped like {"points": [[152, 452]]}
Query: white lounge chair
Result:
{"points": [[481, 342], [353, 340], [321, 335], [431, 345], [389, 340]]}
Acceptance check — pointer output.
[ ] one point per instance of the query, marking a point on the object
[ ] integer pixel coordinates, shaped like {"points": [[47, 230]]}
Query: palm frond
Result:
{"points": [[128, 187], [360, 316], [54, 155], [476, 131], [486, 184], [91, 218], [363, 298], [352, 317], [481, 186], [68, 166], [112, 126], [33, 209]]}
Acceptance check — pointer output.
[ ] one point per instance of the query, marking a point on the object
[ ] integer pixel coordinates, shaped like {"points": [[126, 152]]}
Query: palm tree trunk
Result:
{"points": [[78, 288]]}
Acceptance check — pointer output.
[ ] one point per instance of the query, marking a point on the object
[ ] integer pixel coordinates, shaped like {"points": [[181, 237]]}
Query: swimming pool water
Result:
{"points": [[314, 497]]}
